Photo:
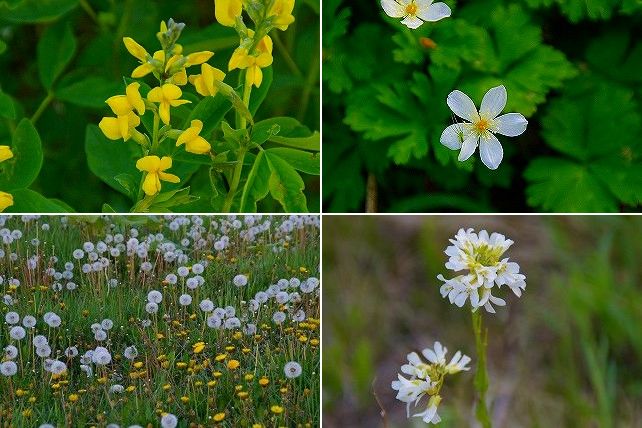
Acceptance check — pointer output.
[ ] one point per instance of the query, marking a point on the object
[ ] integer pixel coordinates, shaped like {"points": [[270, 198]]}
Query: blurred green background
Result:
{"points": [[572, 67], [567, 353], [99, 62]]}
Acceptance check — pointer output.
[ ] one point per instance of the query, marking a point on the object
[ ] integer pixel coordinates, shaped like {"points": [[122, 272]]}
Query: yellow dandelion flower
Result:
{"points": [[233, 364], [277, 410], [219, 416], [198, 347], [264, 381], [220, 357]]}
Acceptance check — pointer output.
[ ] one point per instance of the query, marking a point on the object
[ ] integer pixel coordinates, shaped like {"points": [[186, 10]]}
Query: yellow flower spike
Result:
{"points": [[135, 49], [204, 82], [5, 153], [226, 11], [194, 143], [197, 58], [281, 10], [167, 96], [119, 127], [155, 167], [122, 105]]}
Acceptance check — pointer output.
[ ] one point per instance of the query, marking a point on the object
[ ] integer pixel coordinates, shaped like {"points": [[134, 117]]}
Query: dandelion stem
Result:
{"points": [[481, 373]]}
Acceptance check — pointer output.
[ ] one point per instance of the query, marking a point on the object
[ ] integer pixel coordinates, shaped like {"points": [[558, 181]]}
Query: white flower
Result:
{"points": [[430, 414], [155, 296], [479, 256], [169, 421], [415, 12], [410, 390], [185, 300], [101, 356], [12, 318], [131, 352], [292, 369], [240, 280], [206, 305], [437, 356], [482, 126], [10, 352], [17, 333]]}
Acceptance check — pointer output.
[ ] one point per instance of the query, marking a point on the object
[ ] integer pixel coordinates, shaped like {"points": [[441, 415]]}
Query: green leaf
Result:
{"points": [[576, 10], [286, 186], [307, 162], [210, 111], [33, 11], [166, 200], [21, 170], [617, 55], [564, 186], [3, 47], [56, 48], [89, 92], [109, 159], [290, 133], [6, 106], [258, 94], [257, 184], [28, 201]]}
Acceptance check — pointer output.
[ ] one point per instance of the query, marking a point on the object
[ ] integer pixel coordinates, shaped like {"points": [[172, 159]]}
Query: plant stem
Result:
{"points": [[90, 11], [286, 54], [236, 178], [481, 374], [42, 107], [155, 132]]}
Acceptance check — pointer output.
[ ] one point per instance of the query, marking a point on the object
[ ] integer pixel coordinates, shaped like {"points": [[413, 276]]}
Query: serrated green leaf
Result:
{"points": [[285, 184], [21, 170], [56, 48]]}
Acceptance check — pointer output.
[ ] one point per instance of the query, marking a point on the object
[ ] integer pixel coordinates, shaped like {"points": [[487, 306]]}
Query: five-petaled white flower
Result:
{"points": [[482, 126], [415, 12]]}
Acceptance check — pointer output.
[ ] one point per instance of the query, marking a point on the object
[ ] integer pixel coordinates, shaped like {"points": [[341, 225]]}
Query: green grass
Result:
{"points": [[173, 331]]}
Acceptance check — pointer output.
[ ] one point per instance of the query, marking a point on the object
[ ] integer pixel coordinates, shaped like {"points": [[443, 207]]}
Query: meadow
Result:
{"points": [[159, 321], [566, 353]]}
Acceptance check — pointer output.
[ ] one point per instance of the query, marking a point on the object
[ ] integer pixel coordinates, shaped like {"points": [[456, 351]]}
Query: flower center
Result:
{"points": [[411, 9], [482, 125]]}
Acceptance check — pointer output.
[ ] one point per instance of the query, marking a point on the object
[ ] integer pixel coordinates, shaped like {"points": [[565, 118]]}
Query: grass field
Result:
{"points": [[567, 353], [195, 317]]}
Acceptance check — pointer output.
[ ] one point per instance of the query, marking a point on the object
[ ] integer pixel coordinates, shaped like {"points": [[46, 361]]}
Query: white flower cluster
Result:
{"points": [[426, 379], [478, 257]]}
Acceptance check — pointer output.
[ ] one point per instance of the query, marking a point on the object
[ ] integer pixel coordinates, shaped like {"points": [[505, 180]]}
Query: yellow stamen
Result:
{"points": [[411, 9], [482, 125]]}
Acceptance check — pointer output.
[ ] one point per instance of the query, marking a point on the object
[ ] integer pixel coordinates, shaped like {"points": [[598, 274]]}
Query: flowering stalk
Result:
{"points": [[481, 373]]}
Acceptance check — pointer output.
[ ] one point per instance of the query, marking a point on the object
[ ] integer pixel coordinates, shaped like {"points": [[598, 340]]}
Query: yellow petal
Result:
{"points": [[6, 153], [165, 163], [159, 56], [163, 112], [180, 77], [265, 45], [197, 58], [163, 27], [196, 125], [151, 184], [171, 92], [169, 177], [171, 61], [254, 76], [134, 98], [188, 135], [226, 11], [155, 95], [148, 163], [110, 127], [198, 146], [119, 104], [135, 49], [264, 60], [123, 126], [238, 59], [199, 84], [6, 200], [142, 70], [176, 103]]}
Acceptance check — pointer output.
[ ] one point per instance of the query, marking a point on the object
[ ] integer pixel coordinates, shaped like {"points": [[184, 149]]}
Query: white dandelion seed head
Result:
{"points": [[292, 369]]}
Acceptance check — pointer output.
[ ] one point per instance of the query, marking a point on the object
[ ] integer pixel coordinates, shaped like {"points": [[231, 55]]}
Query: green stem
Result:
{"points": [[307, 89], [286, 54], [42, 107], [90, 11], [481, 374], [247, 91], [155, 132], [236, 178]]}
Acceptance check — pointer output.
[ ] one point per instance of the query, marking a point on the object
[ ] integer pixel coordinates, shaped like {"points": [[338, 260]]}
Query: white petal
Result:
{"points": [[412, 22], [468, 147], [453, 136], [460, 299], [393, 9], [491, 151], [494, 102], [511, 124], [434, 12], [462, 105]]}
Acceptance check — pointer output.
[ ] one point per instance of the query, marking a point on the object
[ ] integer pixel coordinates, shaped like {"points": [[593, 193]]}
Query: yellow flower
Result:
{"points": [[211, 383], [219, 416], [204, 82], [185, 399], [194, 143], [138, 364], [6, 200], [122, 105], [155, 167], [226, 11], [233, 364], [198, 347], [130, 388], [73, 397], [5, 153], [166, 95], [119, 127], [277, 410], [197, 58], [141, 55], [264, 381], [253, 63], [220, 357], [281, 11]]}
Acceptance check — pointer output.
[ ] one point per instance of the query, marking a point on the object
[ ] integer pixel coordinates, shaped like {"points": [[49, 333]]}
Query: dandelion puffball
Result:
{"points": [[292, 369]]}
